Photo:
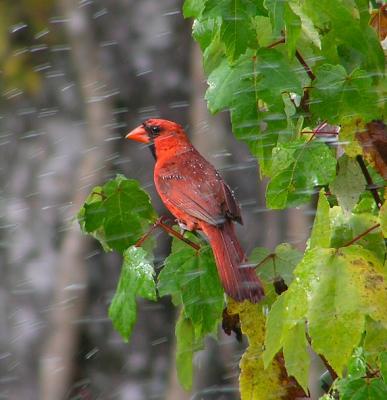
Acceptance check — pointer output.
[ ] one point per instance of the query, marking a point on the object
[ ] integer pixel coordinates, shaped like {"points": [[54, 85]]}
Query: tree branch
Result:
{"points": [[358, 237], [370, 183]]}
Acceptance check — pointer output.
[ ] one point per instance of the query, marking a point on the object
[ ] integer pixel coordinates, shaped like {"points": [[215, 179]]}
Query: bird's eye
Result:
{"points": [[155, 129]]}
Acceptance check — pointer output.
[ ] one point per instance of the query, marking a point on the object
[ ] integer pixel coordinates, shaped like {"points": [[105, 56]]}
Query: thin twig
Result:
{"points": [[310, 73], [369, 181], [276, 43], [358, 237], [146, 235], [271, 255], [320, 132], [160, 224], [178, 235]]}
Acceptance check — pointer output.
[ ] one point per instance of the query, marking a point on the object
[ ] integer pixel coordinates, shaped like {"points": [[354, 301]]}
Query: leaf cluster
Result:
{"points": [[301, 80]]}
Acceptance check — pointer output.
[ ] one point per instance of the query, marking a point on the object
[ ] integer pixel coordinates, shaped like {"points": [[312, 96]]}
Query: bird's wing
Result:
{"points": [[192, 186]]}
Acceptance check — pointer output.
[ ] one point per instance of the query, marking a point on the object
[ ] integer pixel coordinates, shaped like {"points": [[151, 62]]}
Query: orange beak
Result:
{"points": [[138, 134]]}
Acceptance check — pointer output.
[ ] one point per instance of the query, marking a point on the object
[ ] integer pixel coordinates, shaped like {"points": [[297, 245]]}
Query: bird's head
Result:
{"points": [[164, 137], [154, 129]]}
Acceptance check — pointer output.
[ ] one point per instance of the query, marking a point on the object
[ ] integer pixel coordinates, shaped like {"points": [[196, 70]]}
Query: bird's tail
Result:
{"points": [[239, 281]]}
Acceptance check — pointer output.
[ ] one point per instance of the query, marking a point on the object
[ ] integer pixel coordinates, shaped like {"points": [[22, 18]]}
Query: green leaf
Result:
{"points": [[137, 279], [375, 341], [185, 343], [285, 327], [191, 278], [374, 240], [263, 30], [349, 183], [337, 95], [364, 389], [117, 214], [383, 365], [294, 185], [223, 83], [205, 31], [307, 25], [343, 286], [193, 8], [321, 231], [335, 324], [276, 14], [216, 8], [346, 228], [237, 32], [275, 75], [350, 33], [279, 263], [293, 29], [91, 219], [297, 359], [213, 54], [259, 130], [274, 329], [357, 367]]}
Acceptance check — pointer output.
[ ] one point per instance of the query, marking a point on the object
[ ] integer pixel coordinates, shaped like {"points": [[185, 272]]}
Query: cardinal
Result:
{"points": [[195, 193]]}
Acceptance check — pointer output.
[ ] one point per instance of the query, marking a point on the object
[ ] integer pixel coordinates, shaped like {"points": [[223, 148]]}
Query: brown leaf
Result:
{"points": [[379, 21], [374, 143]]}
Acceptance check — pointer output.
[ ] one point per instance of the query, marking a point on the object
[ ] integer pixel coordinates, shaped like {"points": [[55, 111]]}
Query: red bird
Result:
{"points": [[194, 192]]}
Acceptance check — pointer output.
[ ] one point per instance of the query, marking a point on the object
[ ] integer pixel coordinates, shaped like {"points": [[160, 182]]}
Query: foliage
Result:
{"points": [[300, 80]]}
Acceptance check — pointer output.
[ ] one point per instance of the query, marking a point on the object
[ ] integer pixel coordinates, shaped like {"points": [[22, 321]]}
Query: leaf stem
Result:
{"points": [[160, 224], [276, 43], [370, 183], [271, 255], [145, 236], [178, 235], [302, 61], [358, 237]]}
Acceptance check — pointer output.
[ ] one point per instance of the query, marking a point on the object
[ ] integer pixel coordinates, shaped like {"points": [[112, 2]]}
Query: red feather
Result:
{"points": [[197, 196]]}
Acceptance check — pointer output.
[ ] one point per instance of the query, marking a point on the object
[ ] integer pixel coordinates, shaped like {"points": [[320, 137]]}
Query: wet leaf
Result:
{"points": [[191, 278], [255, 381], [136, 279], [185, 346], [280, 263], [321, 231], [117, 214], [337, 95], [349, 183], [294, 184]]}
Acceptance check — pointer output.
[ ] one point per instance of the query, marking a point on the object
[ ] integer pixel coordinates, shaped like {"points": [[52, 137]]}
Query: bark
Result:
{"points": [[61, 344]]}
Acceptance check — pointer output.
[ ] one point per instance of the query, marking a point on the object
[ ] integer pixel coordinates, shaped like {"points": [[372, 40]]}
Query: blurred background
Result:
{"points": [[75, 76]]}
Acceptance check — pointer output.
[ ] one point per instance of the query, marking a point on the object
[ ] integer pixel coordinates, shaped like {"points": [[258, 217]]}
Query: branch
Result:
{"points": [[370, 183], [276, 43], [358, 237], [178, 235], [310, 73], [160, 224]]}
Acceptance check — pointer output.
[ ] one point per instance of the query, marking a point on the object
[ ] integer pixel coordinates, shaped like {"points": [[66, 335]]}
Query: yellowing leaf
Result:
{"points": [[383, 219], [256, 383], [347, 136], [321, 231], [349, 183]]}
